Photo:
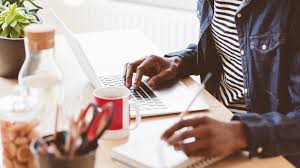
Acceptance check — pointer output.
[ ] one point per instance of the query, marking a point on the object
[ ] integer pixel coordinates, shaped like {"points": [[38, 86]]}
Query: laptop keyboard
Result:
{"points": [[144, 96]]}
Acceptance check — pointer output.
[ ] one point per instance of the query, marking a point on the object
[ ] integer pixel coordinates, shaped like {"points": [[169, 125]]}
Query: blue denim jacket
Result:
{"points": [[271, 75]]}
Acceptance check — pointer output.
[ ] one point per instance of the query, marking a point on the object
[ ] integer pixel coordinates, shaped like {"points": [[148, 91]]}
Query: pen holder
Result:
{"points": [[86, 160]]}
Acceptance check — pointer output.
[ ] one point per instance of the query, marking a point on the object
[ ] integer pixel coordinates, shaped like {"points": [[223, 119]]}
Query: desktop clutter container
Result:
{"points": [[19, 127], [86, 160], [76, 147]]}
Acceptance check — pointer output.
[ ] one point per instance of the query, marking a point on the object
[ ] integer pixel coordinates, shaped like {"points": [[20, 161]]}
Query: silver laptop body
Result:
{"points": [[169, 99]]}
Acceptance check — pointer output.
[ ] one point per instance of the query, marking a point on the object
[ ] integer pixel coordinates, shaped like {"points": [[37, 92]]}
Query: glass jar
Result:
{"points": [[19, 124], [41, 76]]}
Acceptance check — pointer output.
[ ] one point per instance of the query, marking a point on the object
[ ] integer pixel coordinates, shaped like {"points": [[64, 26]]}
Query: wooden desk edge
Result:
{"points": [[233, 161]]}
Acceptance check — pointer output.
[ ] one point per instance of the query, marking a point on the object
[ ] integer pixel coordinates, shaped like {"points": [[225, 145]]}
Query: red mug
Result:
{"points": [[120, 97]]}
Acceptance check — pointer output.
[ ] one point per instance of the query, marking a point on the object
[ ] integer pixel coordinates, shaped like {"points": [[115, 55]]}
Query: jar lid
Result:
{"points": [[19, 107], [39, 36]]}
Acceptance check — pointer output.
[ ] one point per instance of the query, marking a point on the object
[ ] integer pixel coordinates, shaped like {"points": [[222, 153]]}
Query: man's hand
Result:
{"points": [[211, 137], [159, 69]]}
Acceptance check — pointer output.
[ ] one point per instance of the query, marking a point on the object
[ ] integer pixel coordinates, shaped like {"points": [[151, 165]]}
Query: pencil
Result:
{"points": [[76, 139], [56, 121], [69, 139], [42, 146], [53, 148]]}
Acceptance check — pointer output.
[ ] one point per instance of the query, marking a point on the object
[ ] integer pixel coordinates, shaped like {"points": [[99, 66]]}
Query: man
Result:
{"points": [[252, 47]]}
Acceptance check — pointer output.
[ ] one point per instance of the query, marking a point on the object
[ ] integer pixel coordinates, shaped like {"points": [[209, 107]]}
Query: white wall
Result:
{"points": [[177, 4], [169, 29]]}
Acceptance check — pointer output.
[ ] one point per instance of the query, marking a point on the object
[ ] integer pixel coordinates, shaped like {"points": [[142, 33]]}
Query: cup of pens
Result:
{"points": [[75, 148]]}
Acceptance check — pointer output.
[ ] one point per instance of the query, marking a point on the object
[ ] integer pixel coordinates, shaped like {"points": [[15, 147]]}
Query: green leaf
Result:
{"points": [[25, 21], [13, 7], [31, 17], [14, 34], [5, 32], [14, 18], [34, 4], [2, 7], [23, 9], [17, 28], [21, 3], [20, 16], [9, 19], [22, 26], [13, 23], [4, 26], [2, 20], [6, 3], [22, 34]]}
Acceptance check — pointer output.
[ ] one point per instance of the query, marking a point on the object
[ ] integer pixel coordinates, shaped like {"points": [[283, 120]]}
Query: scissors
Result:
{"points": [[79, 126], [82, 121], [92, 131]]}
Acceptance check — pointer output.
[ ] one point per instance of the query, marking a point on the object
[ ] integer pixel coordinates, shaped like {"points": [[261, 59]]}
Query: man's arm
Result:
{"points": [[189, 61]]}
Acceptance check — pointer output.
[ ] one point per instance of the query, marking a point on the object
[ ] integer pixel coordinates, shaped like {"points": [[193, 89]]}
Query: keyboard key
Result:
{"points": [[145, 97]]}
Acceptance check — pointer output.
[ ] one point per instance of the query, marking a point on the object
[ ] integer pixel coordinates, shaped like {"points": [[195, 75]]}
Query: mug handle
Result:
{"points": [[138, 117]]}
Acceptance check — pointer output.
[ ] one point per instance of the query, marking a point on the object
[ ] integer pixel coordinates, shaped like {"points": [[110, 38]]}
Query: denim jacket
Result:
{"points": [[271, 73]]}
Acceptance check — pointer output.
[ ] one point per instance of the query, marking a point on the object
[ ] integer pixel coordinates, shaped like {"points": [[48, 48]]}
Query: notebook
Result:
{"points": [[144, 144]]}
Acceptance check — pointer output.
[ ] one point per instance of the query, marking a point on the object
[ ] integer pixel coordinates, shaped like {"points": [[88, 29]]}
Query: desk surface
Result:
{"points": [[107, 47]]}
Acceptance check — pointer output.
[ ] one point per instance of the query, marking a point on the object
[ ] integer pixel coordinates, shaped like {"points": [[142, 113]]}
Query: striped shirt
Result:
{"points": [[224, 33]]}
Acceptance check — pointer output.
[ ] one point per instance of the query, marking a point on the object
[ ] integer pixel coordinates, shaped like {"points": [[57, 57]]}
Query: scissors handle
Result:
{"points": [[101, 122], [97, 127], [82, 116], [83, 113]]}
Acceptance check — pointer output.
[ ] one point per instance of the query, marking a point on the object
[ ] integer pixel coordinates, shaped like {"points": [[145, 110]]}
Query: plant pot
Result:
{"points": [[12, 56]]}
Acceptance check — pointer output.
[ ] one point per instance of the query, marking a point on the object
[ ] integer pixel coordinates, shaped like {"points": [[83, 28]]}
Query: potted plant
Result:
{"points": [[14, 16]]}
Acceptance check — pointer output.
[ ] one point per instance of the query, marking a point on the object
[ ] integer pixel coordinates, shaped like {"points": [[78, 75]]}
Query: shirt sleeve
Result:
{"points": [[272, 134], [189, 56]]}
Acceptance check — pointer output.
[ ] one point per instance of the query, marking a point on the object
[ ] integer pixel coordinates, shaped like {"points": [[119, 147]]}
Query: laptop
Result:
{"points": [[171, 98]]}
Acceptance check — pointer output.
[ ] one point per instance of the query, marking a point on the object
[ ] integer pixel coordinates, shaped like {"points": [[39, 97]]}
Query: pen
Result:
{"points": [[76, 139], [53, 149], [202, 86], [69, 139], [42, 146], [56, 121]]}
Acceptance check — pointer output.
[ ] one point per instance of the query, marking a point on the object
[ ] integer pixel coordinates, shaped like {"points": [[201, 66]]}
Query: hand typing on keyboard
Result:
{"points": [[159, 69], [144, 96]]}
